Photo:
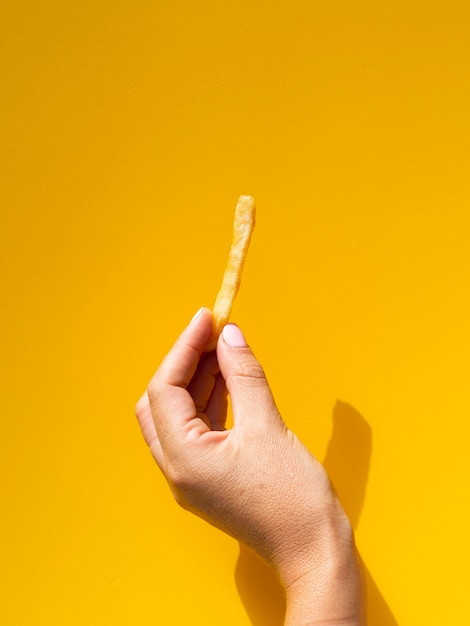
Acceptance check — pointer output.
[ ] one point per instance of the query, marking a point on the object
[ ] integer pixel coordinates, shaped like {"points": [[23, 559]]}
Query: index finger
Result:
{"points": [[172, 406]]}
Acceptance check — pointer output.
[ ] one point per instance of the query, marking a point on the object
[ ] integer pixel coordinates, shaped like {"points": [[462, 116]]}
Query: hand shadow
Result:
{"points": [[347, 462]]}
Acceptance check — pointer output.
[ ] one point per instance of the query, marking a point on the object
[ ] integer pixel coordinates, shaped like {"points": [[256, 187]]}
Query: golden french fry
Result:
{"points": [[243, 226]]}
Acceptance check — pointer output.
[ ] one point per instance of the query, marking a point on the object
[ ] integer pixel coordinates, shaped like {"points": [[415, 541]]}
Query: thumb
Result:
{"points": [[252, 401]]}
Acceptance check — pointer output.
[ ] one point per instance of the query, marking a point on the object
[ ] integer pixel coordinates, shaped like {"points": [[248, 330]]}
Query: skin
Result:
{"points": [[256, 481]]}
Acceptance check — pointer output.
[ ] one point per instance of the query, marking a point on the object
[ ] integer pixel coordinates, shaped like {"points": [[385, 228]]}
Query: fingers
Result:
{"points": [[209, 393], [188, 394], [246, 382], [202, 384], [216, 409]]}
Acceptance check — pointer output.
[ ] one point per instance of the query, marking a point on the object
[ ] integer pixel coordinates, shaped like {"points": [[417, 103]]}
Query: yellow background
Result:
{"points": [[128, 130]]}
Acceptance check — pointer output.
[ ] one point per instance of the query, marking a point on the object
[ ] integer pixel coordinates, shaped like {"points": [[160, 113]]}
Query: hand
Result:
{"points": [[255, 481]]}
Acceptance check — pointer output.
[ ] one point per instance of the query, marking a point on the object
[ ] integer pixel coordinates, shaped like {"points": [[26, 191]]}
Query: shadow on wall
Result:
{"points": [[347, 462]]}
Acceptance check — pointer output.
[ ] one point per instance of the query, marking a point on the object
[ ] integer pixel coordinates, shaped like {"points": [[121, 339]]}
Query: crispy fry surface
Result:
{"points": [[243, 225]]}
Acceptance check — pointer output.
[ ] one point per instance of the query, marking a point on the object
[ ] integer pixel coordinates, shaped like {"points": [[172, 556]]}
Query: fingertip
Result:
{"points": [[203, 316], [233, 336], [198, 314], [200, 326]]}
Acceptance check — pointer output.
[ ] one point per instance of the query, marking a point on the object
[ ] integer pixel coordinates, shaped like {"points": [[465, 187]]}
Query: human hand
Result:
{"points": [[255, 481]]}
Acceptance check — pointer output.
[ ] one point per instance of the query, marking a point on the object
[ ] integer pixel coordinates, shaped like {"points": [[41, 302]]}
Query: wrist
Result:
{"points": [[324, 585], [331, 594]]}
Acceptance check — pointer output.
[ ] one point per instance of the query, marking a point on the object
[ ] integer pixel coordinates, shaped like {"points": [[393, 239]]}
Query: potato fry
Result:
{"points": [[243, 226]]}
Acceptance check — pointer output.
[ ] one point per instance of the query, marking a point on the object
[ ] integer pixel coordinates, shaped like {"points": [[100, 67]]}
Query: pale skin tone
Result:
{"points": [[255, 481]]}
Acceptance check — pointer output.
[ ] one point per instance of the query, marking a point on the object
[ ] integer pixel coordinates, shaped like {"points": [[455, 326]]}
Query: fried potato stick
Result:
{"points": [[243, 226]]}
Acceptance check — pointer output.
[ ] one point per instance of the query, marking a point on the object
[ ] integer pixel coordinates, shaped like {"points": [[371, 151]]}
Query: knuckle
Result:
{"points": [[181, 478], [182, 486], [153, 388], [140, 407], [249, 372], [189, 482]]}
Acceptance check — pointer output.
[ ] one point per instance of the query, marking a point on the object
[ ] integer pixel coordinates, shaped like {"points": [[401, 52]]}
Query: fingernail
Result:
{"points": [[197, 314], [233, 336]]}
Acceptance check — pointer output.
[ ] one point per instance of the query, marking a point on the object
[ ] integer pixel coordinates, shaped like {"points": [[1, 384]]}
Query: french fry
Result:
{"points": [[243, 226]]}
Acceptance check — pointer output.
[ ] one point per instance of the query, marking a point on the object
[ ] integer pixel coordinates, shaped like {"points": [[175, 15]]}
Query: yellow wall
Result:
{"points": [[128, 130]]}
